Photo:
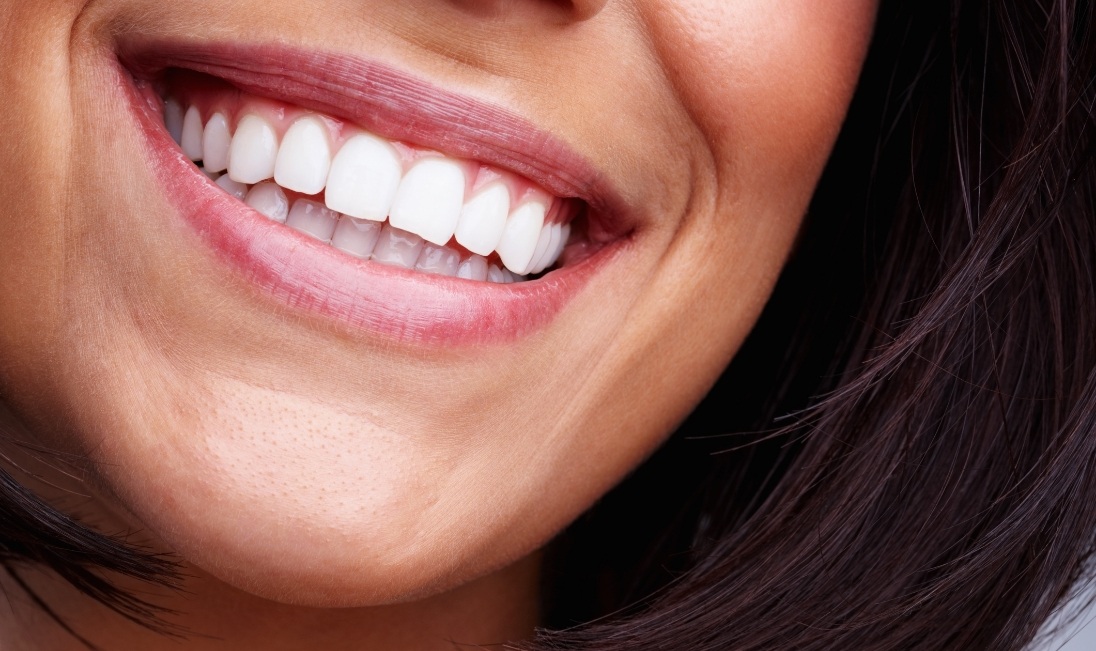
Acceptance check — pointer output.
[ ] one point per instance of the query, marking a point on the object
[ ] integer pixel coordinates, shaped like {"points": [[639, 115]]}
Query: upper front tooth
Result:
{"points": [[192, 134], [254, 150], [364, 177], [483, 218], [215, 144], [520, 237], [304, 158], [173, 120], [428, 201]]}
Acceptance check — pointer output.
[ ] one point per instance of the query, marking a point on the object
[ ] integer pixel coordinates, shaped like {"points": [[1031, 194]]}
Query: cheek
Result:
{"points": [[767, 82], [763, 87]]}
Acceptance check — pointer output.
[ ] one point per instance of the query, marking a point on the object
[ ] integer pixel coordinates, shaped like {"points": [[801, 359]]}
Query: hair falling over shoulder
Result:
{"points": [[906, 452]]}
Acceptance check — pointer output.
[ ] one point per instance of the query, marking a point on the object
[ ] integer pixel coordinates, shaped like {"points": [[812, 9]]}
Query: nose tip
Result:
{"points": [[586, 9], [572, 10]]}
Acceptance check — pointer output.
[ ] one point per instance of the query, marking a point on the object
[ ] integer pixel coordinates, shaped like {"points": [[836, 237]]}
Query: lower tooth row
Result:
{"points": [[361, 238]]}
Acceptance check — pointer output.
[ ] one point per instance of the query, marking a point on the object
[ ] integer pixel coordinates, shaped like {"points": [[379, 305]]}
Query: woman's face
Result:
{"points": [[320, 429]]}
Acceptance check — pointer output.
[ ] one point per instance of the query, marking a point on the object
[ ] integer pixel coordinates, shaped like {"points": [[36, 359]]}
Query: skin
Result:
{"points": [[324, 486]]}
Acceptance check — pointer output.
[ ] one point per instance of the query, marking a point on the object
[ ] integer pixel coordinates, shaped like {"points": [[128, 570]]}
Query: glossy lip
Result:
{"points": [[306, 274]]}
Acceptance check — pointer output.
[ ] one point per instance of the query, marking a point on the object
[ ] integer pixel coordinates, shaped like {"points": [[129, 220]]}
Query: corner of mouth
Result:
{"points": [[345, 96], [399, 106]]}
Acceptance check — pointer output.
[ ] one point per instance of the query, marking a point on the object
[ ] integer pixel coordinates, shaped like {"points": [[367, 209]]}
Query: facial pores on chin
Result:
{"points": [[236, 428]]}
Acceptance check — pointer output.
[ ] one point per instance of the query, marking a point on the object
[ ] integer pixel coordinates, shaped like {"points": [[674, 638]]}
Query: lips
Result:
{"points": [[330, 100], [381, 200]]}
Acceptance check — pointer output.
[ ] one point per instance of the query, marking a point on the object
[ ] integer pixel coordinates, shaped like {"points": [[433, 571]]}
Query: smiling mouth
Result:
{"points": [[369, 197], [346, 188]]}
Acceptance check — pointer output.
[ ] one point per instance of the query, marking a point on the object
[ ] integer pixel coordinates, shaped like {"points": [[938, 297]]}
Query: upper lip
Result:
{"points": [[398, 106]]}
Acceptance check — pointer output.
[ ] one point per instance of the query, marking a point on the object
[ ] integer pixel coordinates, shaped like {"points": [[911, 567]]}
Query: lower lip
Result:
{"points": [[309, 275]]}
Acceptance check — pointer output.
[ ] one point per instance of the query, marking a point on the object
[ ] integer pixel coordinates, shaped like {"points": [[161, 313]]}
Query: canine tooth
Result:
{"points": [[313, 218], [440, 260], [539, 253], [238, 190], [474, 268], [269, 199], [483, 218], [216, 141], [546, 260], [429, 199], [397, 247], [495, 275], [192, 134], [173, 120], [364, 177], [356, 237], [551, 252], [254, 150], [304, 158], [519, 238]]}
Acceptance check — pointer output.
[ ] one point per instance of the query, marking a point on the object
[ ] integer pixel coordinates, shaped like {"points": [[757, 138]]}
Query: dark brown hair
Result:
{"points": [[905, 449], [931, 348]]}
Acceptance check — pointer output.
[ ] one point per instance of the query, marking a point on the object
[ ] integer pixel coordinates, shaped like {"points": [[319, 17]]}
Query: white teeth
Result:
{"points": [[545, 260], [428, 201], [520, 237], [304, 158], [557, 239], [238, 190], [495, 275], [364, 185], [191, 141], [269, 199], [474, 268], [440, 260], [313, 218], [254, 150], [542, 248], [483, 218], [364, 177], [215, 143], [397, 247], [356, 237], [173, 120]]}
